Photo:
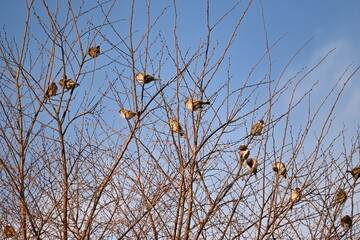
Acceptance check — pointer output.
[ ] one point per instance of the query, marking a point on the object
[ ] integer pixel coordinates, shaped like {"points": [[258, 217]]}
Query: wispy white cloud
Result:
{"points": [[347, 111], [346, 53]]}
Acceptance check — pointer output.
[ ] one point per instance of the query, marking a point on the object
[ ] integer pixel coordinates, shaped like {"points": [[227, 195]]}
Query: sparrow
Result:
{"points": [[355, 172], [145, 78], [252, 165], [280, 168], [244, 154], [346, 222], [51, 90], [9, 231], [176, 127], [195, 104], [67, 83], [94, 51], [257, 128], [127, 114], [340, 196], [295, 196]]}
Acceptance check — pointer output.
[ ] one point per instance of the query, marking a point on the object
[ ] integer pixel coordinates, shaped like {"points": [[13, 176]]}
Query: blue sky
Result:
{"points": [[335, 24]]}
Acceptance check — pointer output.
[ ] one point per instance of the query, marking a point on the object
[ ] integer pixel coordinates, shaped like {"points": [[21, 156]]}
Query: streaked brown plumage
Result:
{"points": [[346, 222], [127, 114], [51, 90], [176, 127], [355, 172], [244, 154], [195, 104], [9, 231], [295, 196], [145, 78], [280, 168], [257, 128], [94, 51], [252, 165], [67, 83], [340, 196]]}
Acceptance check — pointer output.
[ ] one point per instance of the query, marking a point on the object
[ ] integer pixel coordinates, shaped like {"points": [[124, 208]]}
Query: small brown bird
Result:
{"points": [[94, 51], [355, 172], [295, 196], [257, 128], [145, 78], [252, 165], [280, 168], [67, 83], [9, 231], [176, 127], [51, 90], [195, 104], [340, 196], [244, 153], [127, 114], [346, 222]]}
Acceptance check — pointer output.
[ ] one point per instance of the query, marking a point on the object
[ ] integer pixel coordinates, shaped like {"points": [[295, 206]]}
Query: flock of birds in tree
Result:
{"points": [[193, 105], [279, 167], [67, 83]]}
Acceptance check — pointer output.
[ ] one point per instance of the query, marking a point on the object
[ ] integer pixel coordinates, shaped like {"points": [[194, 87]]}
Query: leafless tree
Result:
{"points": [[73, 167]]}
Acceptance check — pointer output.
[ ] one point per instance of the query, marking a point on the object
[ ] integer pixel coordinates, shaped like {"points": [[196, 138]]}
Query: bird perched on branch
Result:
{"points": [[145, 78], [51, 90], [295, 197], [280, 168], [252, 165], [346, 222], [257, 128], [244, 153], [176, 127], [195, 104], [127, 114], [9, 231], [340, 197], [67, 83], [94, 51], [355, 172]]}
